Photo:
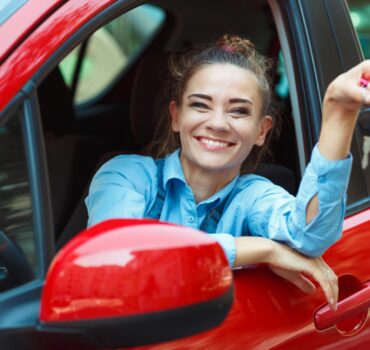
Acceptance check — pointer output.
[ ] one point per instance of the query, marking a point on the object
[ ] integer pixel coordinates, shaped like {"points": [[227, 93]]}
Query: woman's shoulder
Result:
{"points": [[135, 167], [248, 180], [129, 160], [255, 185]]}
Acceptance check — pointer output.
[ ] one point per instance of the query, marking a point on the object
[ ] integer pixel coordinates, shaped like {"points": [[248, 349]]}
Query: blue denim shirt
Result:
{"points": [[126, 187]]}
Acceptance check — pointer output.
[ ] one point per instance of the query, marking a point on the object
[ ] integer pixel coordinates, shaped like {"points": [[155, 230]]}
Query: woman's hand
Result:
{"points": [[290, 265], [300, 281], [342, 102], [345, 93]]}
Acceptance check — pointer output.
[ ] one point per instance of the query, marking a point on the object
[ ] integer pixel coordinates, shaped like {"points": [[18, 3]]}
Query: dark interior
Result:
{"points": [[80, 138]]}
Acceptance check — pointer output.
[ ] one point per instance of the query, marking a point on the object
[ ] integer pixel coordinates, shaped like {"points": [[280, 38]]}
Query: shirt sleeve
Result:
{"points": [[277, 215], [227, 242], [122, 188]]}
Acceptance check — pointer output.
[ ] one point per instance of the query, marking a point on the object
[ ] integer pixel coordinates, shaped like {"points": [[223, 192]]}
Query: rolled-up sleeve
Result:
{"points": [[227, 242], [282, 217], [122, 188]]}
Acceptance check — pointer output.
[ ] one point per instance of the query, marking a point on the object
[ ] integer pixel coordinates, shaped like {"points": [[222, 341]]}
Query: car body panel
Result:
{"points": [[23, 21], [31, 54], [269, 314]]}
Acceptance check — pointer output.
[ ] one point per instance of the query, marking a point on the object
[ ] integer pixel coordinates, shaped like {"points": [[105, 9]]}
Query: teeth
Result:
{"points": [[214, 143]]}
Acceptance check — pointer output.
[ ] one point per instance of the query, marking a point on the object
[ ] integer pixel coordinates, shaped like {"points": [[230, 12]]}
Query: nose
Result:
{"points": [[218, 121]]}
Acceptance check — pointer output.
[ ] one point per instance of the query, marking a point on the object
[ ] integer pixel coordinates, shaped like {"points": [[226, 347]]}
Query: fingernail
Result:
{"points": [[331, 301]]}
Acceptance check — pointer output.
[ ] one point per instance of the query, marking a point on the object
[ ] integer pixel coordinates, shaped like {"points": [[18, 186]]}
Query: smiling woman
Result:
{"points": [[218, 118], [218, 127]]}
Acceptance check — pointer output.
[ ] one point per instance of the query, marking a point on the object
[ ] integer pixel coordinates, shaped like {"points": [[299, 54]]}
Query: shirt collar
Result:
{"points": [[172, 169]]}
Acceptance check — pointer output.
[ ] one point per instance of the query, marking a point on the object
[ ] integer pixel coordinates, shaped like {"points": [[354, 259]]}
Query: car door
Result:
{"points": [[25, 225]]}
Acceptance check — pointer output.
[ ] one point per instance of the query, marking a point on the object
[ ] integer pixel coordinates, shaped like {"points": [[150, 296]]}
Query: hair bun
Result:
{"points": [[234, 43]]}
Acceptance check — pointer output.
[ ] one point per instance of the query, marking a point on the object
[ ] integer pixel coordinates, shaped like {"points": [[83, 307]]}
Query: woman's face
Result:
{"points": [[219, 119]]}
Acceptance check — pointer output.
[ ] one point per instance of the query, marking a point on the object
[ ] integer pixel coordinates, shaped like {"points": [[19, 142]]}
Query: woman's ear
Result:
{"points": [[174, 112], [264, 128]]}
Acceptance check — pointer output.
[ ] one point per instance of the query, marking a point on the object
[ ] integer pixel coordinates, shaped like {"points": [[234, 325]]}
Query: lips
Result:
{"points": [[214, 144]]}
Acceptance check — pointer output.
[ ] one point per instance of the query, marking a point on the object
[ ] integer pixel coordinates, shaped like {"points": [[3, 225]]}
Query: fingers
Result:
{"points": [[332, 279], [290, 264], [328, 281], [361, 76], [304, 284], [365, 69], [348, 89]]}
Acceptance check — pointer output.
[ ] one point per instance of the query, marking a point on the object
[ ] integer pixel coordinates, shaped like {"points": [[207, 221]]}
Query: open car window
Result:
{"points": [[360, 15], [91, 68]]}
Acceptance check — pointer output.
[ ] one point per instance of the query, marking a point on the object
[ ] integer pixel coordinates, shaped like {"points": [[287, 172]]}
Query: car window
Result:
{"points": [[360, 15], [18, 262], [108, 51]]}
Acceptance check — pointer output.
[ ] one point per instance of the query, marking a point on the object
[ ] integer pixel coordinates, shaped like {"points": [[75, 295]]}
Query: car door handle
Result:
{"points": [[354, 304]]}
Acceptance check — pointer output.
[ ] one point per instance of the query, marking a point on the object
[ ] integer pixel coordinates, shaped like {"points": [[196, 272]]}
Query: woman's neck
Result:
{"points": [[205, 183]]}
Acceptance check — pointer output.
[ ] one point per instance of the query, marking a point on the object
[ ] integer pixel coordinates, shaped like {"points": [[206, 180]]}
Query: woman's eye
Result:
{"points": [[199, 105], [240, 112]]}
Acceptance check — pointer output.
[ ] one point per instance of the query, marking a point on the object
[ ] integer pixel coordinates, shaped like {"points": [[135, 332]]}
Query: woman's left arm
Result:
{"points": [[342, 102]]}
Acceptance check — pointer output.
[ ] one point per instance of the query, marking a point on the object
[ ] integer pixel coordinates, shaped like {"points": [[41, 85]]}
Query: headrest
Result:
{"points": [[150, 76]]}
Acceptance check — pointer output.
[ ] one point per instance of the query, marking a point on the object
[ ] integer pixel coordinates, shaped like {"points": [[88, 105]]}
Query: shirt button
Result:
{"points": [[191, 219], [322, 179]]}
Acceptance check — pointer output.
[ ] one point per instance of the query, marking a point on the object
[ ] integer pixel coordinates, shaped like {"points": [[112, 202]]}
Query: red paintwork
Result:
{"points": [[269, 313], [16, 28], [352, 305], [30, 55], [130, 267]]}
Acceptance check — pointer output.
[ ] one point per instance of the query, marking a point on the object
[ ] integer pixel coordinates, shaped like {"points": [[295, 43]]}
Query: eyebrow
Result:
{"points": [[232, 100], [206, 97], [241, 100]]}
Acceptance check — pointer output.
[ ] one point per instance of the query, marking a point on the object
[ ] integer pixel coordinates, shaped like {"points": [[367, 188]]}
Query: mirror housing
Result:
{"points": [[131, 282]]}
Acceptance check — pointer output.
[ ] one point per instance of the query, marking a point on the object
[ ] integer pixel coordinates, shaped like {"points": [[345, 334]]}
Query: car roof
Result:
{"points": [[18, 18], [48, 26], [35, 30]]}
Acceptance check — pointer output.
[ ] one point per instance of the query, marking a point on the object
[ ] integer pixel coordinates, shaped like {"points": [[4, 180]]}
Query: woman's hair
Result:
{"points": [[229, 49]]}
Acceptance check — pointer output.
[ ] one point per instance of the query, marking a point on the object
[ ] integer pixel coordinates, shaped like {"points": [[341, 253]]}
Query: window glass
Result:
{"points": [[360, 15], [109, 50], [17, 245]]}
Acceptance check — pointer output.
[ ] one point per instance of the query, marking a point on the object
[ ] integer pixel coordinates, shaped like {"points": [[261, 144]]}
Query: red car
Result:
{"points": [[78, 81]]}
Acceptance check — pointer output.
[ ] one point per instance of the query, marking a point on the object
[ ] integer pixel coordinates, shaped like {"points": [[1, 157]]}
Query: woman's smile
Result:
{"points": [[219, 120], [213, 144]]}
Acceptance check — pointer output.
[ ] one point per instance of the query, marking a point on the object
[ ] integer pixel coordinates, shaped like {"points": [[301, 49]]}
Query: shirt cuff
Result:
{"points": [[333, 172], [227, 243]]}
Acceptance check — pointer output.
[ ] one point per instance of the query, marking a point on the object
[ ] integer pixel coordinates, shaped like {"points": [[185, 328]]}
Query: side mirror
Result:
{"points": [[134, 282]]}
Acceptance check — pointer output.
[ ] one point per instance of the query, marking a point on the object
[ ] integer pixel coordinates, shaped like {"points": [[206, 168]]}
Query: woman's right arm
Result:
{"points": [[288, 264], [122, 188]]}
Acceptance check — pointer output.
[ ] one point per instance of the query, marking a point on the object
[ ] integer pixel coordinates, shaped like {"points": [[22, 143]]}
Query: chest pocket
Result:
{"points": [[210, 222]]}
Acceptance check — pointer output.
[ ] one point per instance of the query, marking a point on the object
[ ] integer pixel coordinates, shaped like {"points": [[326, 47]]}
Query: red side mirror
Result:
{"points": [[133, 282]]}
